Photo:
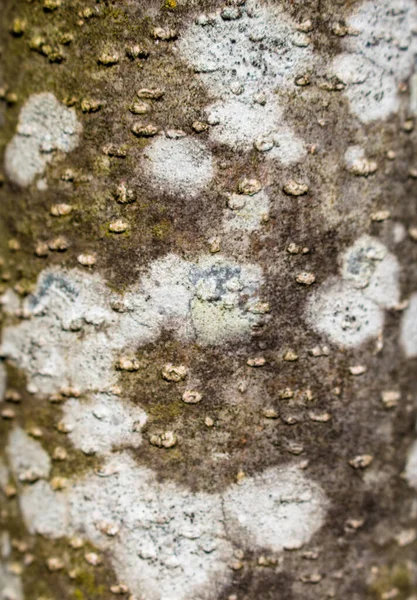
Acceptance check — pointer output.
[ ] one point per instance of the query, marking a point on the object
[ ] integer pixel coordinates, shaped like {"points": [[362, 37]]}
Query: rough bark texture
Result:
{"points": [[209, 299]]}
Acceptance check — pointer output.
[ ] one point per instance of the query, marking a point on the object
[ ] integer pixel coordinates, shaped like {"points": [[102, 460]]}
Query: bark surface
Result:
{"points": [[208, 287]]}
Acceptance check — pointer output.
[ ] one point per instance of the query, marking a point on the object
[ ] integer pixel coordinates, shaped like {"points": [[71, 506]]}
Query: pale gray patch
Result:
{"points": [[5, 544], [413, 94], [378, 57], [241, 124], [353, 154], [223, 294], [26, 455], [44, 511], [171, 543], [408, 330], [3, 380], [243, 62], [411, 466], [341, 312], [350, 311], [288, 148], [79, 327], [254, 210], [45, 126], [4, 473], [371, 92], [254, 51], [181, 166], [369, 266], [276, 509], [10, 302], [65, 343], [399, 232], [102, 422], [11, 587]]}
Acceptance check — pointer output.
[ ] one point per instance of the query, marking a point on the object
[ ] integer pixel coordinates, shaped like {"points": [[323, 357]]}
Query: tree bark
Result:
{"points": [[208, 299]]}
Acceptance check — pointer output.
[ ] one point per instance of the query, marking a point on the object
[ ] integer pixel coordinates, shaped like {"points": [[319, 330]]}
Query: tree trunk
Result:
{"points": [[209, 299]]}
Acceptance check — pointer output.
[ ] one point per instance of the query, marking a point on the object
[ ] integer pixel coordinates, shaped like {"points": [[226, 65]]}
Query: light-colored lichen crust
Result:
{"points": [[350, 310], [45, 127]]}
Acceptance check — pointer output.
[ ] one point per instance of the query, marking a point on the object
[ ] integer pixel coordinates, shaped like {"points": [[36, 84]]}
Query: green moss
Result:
{"points": [[170, 4], [166, 411], [161, 230], [89, 587], [392, 577]]}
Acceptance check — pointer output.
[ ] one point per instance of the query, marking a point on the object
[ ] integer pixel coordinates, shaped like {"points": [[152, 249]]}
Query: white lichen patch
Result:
{"points": [[411, 466], [288, 148], [350, 310], [344, 314], [44, 511], [378, 57], [5, 544], [357, 163], [173, 543], [408, 332], [243, 125], [10, 302], [399, 232], [287, 511], [246, 213], [27, 458], [4, 474], [65, 343], [3, 381], [103, 421], [182, 166], [45, 127], [79, 328], [223, 295], [11, 587], [370, 267], [243, 62]]}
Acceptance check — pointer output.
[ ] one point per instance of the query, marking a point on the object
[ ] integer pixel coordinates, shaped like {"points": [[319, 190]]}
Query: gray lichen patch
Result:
{"points": [[246, 126], [182, 166], [243, 61], [103, 421], [408, 331], [3, 381], [246, 213], [79, 328], [62, 310], [224, 294], [45, 127], [33, 501], [287, 504], [27, 458], [411, 466], [11, 587], [344, 314], [379, 54], [169, 542], [253, 50], [350, 310], [370, 267], [4, 473]]}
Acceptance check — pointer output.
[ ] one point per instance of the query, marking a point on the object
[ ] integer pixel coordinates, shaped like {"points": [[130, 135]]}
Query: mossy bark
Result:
{"points": [[366, 547]]}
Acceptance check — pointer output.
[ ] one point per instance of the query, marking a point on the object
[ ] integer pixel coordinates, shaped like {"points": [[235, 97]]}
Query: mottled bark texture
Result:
{"points": [[208, 299]]}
